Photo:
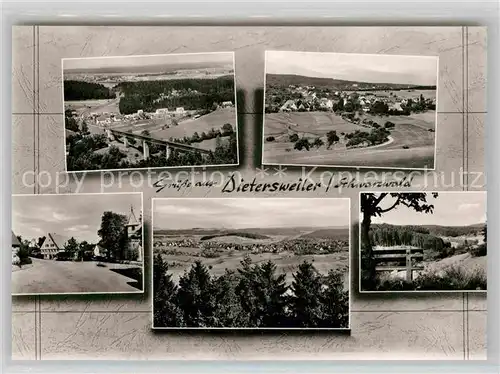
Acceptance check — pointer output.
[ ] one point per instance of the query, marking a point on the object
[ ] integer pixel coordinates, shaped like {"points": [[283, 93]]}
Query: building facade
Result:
{"points": [[52, 245]]}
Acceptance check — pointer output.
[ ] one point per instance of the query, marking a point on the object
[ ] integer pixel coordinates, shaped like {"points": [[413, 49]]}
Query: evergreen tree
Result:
{"points": [[305, 303], [195, 296], [228, 312], [166, 311], [334, 301]]}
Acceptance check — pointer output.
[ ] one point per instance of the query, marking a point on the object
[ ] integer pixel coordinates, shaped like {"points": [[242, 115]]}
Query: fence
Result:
{"points": [[402, 256]]}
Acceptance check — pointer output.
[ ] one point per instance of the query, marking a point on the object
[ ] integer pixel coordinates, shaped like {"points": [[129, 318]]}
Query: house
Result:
{"points": [[16, 246], [227, 104], [100, 251], [52, 245], [288, 106], [162, 111], [396, 106], [180, 110]]}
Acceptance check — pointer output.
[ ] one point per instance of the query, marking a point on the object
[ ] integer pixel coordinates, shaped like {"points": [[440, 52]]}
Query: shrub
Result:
{"points": [[301, 144], [270, 139], [294, 138]]}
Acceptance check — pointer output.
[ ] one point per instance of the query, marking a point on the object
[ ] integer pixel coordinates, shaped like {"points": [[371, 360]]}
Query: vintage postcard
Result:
{"points": [[423, 241], [251, 263], [77, 244], [350, 110], [136, 112]]}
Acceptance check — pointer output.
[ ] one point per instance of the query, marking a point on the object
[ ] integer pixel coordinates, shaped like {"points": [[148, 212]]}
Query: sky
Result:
{"points": [[175, 214], [450, 209], [76, 215], [372, 68], [131, 62]]}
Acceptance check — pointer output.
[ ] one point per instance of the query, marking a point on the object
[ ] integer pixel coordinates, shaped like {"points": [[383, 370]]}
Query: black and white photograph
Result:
{"points": [[256, 263], [154, 111], [423, 241], [77, 244], [350, 110]]}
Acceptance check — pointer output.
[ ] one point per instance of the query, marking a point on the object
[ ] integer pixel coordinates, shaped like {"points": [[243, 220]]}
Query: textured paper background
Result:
{"points": [[401, 326]]}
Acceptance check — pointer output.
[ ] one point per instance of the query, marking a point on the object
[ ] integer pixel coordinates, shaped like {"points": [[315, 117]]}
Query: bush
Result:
{"points": [[270, 139], [301, 144], [294, 138]]}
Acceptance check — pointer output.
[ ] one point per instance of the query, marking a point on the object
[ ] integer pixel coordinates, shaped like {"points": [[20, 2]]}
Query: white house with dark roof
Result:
{"points": [[52, 245]]}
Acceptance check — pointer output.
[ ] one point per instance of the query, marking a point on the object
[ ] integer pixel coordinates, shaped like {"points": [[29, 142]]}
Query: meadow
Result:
{"points": [[411, 132], [229, 256]]}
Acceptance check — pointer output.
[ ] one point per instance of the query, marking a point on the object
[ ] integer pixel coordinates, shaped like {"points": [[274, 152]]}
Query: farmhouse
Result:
{"points": [[52, 245], [227, 104], [100, 251], [16, 245], [180, 110], [162, 111], [288, 106]]}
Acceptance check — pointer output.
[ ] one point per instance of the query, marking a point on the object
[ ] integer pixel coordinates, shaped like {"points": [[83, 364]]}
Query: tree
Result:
{"points": [[113, 234], [372, 205], [195, 297], [301, 144], [305, 303], [294, 137], [334, 301], [318, 142], [146, 133], [40, 241], [71, 247], [262, 294], [166, 311], [332, 138], [227, 129]]}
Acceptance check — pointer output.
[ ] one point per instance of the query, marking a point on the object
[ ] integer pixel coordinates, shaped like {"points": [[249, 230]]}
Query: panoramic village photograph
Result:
{"points": [[427, 241], [150, 111], [350, 110], [77, 244], [251, 263]]}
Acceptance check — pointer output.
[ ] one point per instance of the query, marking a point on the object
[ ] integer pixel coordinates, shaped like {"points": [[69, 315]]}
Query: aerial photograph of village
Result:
{"points": [[251, 263], [150, 111], [426, 241], [77, 244], [350, 110]]}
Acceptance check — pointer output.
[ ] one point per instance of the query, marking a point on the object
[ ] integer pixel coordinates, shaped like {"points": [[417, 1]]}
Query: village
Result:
{"points": [[58, 247], [310, 98]]}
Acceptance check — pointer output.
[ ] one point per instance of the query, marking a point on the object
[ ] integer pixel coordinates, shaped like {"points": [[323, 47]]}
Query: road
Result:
{"points": [[50, 277]]}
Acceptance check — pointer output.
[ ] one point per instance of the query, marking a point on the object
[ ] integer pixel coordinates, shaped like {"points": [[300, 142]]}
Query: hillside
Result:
{"points": [[435, 230], [333, 84], [260, 233]]}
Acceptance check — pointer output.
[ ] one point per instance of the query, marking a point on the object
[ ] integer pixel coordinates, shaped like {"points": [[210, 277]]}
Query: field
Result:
{"points": [[85, 107], [180, 258], [204, 123], [409, 131]]}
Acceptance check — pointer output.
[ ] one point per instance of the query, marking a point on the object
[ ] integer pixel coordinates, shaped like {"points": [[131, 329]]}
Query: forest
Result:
{"points": [[254, 295], [194, 94], [79, 90], [388, 235]]}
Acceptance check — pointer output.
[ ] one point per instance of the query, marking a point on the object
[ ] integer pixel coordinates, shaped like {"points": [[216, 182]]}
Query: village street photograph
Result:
{"points": [[136, 112], [423, 241], [270, 263], [77, 244], [350, 110]]}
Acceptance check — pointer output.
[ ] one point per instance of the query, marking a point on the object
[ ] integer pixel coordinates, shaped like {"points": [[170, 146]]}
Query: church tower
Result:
{"points": [[134, 236]]}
